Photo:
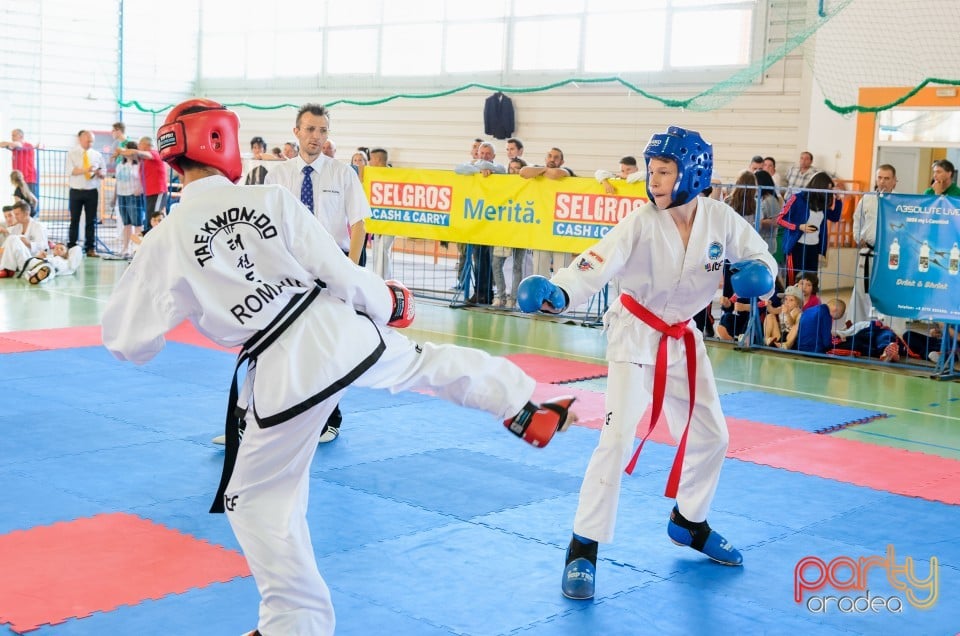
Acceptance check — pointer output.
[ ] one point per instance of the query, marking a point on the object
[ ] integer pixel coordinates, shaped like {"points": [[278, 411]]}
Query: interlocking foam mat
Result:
{"points": [[73, 568], [793, 412], [430, 519]]}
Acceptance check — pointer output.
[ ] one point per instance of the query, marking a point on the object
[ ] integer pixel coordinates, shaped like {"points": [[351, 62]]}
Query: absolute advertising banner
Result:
{"points": [[917, 271], [559, 215]]}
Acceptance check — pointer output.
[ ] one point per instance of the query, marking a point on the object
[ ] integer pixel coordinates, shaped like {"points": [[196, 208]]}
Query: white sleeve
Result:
{"points": [[466, 169], [636, 176], [355, 202], [603, 175], [600, 263], [137, 316], [858, 221]]}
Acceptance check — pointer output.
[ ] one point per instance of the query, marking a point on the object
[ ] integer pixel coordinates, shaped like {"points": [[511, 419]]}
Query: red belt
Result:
{"points": [[678, 330]]}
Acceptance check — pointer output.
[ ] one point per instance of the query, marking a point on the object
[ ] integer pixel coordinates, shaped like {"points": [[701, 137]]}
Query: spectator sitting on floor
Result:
{"points": [[868, 338], [809, 284], [29, 231], [781, 325], [734, 311], [927, 345], [815, 327], [9, 224], [155, 218]]}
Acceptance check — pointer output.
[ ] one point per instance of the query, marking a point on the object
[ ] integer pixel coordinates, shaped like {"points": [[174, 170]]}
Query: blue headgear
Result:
{"points": [[693, 156]]}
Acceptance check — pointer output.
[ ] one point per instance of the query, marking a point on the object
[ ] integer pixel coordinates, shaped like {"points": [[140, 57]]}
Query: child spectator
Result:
{"points": [[816, 326]]}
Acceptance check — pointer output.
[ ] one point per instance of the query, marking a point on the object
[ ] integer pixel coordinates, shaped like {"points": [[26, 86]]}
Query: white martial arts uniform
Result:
{"points": [[645, 251], [17, 256], [860, 307], [229, 260], [339, 200]]}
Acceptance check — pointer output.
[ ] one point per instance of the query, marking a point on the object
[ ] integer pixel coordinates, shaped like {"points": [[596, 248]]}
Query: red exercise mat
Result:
{"points": [[556, 370], [186, 333], [37, 339], [72, 568], [895, 470]]}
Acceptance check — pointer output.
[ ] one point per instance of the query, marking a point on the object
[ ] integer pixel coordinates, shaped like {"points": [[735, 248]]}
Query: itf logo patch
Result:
{"points": [[714, 257]]}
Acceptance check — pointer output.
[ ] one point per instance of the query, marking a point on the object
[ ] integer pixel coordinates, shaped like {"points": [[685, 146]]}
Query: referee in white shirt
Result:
{"points": [[332, 191]]}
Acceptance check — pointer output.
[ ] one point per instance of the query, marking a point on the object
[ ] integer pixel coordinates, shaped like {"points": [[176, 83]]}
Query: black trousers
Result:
{"points": [[84, 202]]}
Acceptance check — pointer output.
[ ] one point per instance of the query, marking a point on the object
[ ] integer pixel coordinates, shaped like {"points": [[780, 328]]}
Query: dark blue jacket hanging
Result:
{"points": [[498, 116]]}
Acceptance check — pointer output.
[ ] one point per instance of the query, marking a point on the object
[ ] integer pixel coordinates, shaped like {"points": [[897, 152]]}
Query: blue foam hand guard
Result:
{"points": [[535, 290], [750, 278]]}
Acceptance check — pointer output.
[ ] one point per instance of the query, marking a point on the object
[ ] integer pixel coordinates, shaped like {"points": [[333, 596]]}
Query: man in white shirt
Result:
{"points": [[332, 191], [337, 196], [85, 169]]}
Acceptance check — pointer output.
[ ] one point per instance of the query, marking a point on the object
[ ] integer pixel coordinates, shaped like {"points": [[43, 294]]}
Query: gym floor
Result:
{"points": [[920, 415]]}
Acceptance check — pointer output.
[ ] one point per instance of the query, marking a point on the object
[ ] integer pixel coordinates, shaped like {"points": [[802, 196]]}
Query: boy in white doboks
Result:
{"points": [[668, 256]]}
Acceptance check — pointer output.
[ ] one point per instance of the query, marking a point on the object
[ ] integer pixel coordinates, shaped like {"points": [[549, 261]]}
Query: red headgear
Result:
{"points": [[204, 131]]}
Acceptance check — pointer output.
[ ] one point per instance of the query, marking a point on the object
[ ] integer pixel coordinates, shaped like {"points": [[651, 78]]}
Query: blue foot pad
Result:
{"points": [[716, 547], [578, 579]]}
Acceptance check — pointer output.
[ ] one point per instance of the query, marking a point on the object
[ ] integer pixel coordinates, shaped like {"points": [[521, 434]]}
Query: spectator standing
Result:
{"points": [[864, 234], [24, 160], [770, 206], [153, 175], [129, 195], [770, 167], [257, 174], [629, 172], [21, 191], [85, 169], [484, 165], [801, 173], [500, 255], [382, 243], [944, 175], [545, 262], [514, 149], [805, 216], [291, 150], [329, 148]]}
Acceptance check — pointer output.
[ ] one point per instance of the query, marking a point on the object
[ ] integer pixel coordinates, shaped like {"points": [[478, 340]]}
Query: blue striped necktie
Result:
{"points": [[306, 190]]}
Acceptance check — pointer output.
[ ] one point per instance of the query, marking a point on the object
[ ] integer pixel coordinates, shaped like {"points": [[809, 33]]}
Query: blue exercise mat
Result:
{"points": [[799, 413], [430, 519]]}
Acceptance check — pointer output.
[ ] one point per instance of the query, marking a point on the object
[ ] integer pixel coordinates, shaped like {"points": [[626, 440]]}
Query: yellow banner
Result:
{"points": [[559, 215]]}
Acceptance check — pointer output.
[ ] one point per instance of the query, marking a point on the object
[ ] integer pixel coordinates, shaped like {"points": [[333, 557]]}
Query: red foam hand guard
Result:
{"points": [[403, 310]]}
